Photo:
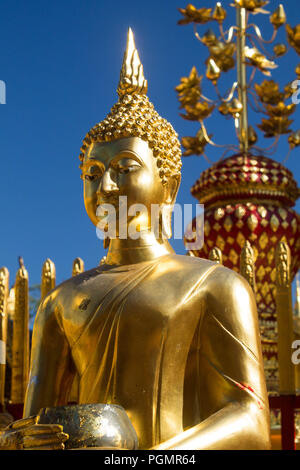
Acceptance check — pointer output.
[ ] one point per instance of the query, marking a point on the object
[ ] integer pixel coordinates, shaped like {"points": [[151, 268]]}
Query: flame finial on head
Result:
{"points": [[132, 78], [134, 116]]}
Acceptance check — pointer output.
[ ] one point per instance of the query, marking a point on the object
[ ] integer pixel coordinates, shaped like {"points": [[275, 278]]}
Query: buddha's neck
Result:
{"points": [[129, 251]]}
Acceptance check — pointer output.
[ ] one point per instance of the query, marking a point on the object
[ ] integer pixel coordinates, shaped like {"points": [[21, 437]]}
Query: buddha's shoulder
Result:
{"points": [[71, 289], [214, 277], [194, 266], [180, 273]]}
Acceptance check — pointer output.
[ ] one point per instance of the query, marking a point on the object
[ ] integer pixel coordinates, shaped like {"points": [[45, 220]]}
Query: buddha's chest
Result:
{"points": [[131, 321], [133, 342]]}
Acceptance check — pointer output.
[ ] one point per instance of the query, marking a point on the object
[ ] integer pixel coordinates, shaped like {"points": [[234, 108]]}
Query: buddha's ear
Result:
{"points": [[172, 187]]}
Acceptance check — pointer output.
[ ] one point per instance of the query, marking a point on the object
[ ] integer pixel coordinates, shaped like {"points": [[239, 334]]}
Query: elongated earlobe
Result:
{"points": [[165, 222]]}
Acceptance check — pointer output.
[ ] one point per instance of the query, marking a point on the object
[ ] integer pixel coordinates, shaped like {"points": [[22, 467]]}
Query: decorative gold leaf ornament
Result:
{"points": [[189, 89], [223, 54], [198, 111], [255, 6], [132, 80], [192, 15], [275, 126], [231, 48], [194, 145], [293, 36], [268, 92], [257, 59]]}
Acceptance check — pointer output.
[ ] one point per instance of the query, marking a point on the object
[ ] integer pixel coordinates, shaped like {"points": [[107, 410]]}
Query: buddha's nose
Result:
{"points": [[107, 184]]}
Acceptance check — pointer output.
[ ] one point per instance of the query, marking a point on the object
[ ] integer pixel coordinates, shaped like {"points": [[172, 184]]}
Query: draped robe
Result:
{"points": [[158, 338]]}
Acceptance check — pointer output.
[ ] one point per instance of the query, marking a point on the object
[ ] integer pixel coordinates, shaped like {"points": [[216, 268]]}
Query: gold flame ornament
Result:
{"points": [[198, 111], [132, 78], [275, 126]]}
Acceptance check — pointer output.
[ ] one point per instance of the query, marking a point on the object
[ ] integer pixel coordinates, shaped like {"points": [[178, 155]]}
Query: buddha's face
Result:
{"points": [[123, 167]]}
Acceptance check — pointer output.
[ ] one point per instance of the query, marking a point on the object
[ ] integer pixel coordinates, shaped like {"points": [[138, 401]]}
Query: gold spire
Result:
{"points": [[215, 255], [20, 342], [48, 278], [4, 290], [247, 264], [78, 266], [132, 78]]}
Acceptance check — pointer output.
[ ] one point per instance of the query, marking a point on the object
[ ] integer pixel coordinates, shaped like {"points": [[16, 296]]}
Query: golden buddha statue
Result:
{"points": [[172, 339]]}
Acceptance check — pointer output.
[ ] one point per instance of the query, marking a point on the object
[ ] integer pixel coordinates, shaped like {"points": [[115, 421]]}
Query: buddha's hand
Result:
{"points": [[26, 434]]}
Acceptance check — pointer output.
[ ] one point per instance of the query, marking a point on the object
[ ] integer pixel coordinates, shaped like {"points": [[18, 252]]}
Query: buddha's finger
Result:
{"points": [[22, 423], [59, 446], [44, 440], [42, 429]]}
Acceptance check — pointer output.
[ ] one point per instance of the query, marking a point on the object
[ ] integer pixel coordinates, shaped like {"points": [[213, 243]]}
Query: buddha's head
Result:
{"points": [[133, 152]]}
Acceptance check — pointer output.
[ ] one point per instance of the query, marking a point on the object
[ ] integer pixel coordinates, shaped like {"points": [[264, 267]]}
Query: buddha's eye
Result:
{"points": [[127, 165], [91, 177], [92, 173]]}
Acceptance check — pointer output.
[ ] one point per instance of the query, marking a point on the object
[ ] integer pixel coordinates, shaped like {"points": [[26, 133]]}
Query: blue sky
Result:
{"points": [[60, 61]]}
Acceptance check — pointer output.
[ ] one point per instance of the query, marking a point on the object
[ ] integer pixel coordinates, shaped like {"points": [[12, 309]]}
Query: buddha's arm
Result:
{"points": [[232, 394], [51, 369]]}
